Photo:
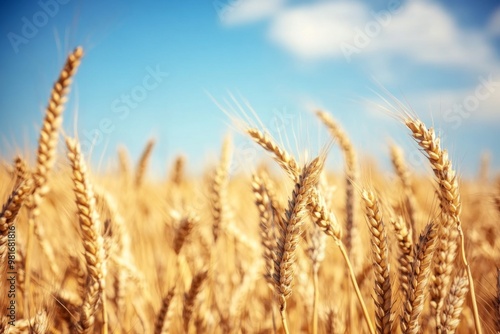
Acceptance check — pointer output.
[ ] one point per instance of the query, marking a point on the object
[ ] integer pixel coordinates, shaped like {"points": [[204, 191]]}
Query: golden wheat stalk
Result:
{"points": [[124, 163], [93, 242], [405, 258], [185, 228], [282, 157], [450, 224], [218, 190], [46, 152], [380, 252], [320, 214], [8, 216], [289, 237], [178, 171], [345, 144], [121, 245], [142, 165], [453, 304], [162, 323], [316, 252], [190, 298], [421, 267], [20, 169], [403, 172], [267, 236]]}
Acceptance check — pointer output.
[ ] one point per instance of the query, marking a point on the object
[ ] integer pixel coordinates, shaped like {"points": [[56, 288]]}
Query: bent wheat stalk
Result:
{"points": [[345, 144], [450, 204]]}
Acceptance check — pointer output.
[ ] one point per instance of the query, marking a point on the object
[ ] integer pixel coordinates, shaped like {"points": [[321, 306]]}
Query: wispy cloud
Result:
{"points": [[317, 30], [421, 31]]}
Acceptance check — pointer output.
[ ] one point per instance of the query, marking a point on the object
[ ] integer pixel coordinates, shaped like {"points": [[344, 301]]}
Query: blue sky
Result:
{"points": [[284, 57]]}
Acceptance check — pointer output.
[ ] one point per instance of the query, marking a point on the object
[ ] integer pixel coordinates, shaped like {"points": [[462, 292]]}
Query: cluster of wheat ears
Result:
{"points": [[216, 254]]}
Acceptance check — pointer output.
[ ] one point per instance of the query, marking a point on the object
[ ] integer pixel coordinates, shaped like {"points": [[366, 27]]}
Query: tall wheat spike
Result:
{"points": [[351, 178], [322, 217], [450, 224], [289, 237], [142, 164], [381, 264], [47, 144], [218, 190], [399, 163], [93, 242]]}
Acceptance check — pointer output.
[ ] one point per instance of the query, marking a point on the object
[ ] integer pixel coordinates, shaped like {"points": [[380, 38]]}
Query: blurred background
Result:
{"points": [[156, 68]]}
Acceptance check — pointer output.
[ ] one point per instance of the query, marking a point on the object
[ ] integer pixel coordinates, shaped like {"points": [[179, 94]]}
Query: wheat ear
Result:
{"points": [[327, 221], [282, 157], [124, 163], [93, 243], [46, 152], [21, 169], [453, 304], [177, 175], [289, 237], [122, 246], [142, 165], [162, 323], [345, 144], [405, 258], [449, 195], [421, 267], [190, 298], [267, 236], [8, 216], [333, 323], [184, 230], [381, 267], [399, 163], [218, 190]]}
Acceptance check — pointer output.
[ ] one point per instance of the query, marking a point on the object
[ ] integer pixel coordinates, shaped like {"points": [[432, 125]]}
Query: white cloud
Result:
{"points": [[315, 31], [420, 30], [234, 12]]}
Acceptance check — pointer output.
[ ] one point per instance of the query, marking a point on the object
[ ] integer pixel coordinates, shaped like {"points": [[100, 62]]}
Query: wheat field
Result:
{"points": [[293, 248]]}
